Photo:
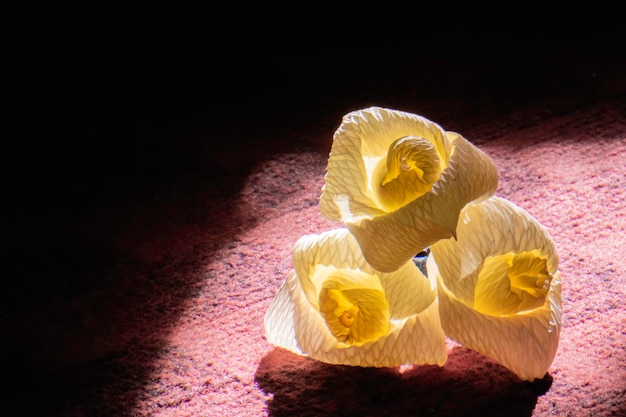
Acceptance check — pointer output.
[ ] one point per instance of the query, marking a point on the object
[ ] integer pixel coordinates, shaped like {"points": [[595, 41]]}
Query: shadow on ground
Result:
{"points": [[468, 385]]}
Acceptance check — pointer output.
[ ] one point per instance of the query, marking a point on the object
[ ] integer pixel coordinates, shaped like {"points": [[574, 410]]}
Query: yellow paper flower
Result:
{"points": [[335, 308], [499, 286], [398, 181]]}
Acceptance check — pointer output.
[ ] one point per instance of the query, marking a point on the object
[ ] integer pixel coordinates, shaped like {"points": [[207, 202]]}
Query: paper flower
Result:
{"points": [[398, 182], [499, 286], [335, 308]]}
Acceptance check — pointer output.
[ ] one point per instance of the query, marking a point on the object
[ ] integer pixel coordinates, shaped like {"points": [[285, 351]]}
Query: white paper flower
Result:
{"points": [[499, 286], [398, 182], [335, 308]]}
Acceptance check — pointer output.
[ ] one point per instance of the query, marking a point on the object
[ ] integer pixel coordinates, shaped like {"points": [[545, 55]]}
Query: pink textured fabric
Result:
{"points": [[172, 324]]}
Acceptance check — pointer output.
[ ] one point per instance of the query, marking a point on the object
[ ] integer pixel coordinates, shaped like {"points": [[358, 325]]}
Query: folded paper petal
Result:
{"points": [[499, 286], [398, 181], [359, 153], [389, 240], [298, 316]]}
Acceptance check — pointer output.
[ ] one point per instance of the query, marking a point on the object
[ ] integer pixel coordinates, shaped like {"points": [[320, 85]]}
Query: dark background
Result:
{"points": [[103, 119]]}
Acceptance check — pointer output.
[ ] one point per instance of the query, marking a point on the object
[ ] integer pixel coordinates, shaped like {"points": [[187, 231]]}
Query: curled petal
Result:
{"points": [[489, 228], [342, 311], [370, 148], [409, 289], [412, 167], [313, 253], [525, 343], [280, 317], [389, 240], [354, 306], [499, 286]]}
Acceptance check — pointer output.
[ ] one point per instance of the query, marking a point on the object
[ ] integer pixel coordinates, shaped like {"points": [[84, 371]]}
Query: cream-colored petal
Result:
{"points": [[418, 339], [335, 248], [354, 306], [389, 240], [512, 282], [315, 256], [486, 228], [411, 168], [360, 145], [415, 335], [293, 324], [524, 342], [279, 318], [408, 290]]}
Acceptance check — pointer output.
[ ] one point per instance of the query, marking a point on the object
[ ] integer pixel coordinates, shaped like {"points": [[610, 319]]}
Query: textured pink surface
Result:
{"points": [[173, 326]]}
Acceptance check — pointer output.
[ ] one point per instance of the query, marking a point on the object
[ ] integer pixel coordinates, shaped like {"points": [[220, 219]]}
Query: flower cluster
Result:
{"points": [[402, 185]]}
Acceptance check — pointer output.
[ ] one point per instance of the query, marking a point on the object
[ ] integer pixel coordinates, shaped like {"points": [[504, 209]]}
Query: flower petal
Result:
{"points": [[418, 339], [491, 227], [409, 291], [389, 240], [354, 306], [512, 282], [334, 248], [360, 147], [411, 168], [279, 318], [413, 332], [521, 338], [525, 343]]}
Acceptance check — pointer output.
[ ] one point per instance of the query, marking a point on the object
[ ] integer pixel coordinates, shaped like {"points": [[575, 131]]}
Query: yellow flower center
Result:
{"points": [[355, 311], [512, 282], [412, 167], [347, 317]]}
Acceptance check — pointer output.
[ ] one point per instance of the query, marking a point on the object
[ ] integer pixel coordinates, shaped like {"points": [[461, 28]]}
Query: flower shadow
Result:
{"points": [[469, 384]]}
